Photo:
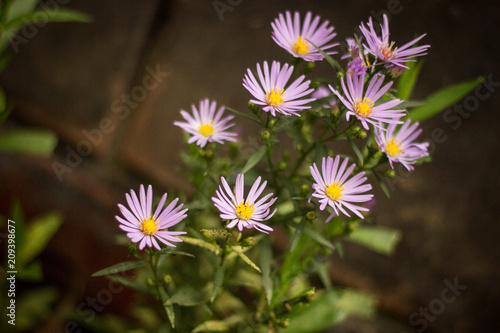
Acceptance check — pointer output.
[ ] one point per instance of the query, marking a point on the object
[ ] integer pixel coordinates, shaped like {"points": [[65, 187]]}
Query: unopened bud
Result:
{"points": [[272, 122], [208, 235], [254, 108], [390, 173], [304, 190], [311, 215], [167, 279], [249, 241], [309, 67], [282, 166], [265, 135]]}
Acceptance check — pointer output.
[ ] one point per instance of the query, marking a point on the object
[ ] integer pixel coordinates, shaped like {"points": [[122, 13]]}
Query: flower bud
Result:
{"points": [[390, 173], [282, 166], [311, 215], [167, 279], [254, 108], [304, 190], [265, 135], [272, 122], [249, 241]]}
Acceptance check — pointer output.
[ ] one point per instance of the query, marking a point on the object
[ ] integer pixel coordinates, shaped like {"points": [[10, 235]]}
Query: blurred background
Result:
{"points": [[112, 88]]}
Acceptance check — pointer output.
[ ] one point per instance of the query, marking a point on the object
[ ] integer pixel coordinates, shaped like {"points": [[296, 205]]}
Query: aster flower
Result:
{"points": [[356, 66], [206, 125], [270, 90], [383, 49], [245, 213], [322, 92], [144, 227], [399, 145], [361, 103], [334, 189], [289, 34]]}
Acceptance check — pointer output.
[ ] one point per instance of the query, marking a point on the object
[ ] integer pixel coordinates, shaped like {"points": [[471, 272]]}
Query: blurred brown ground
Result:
{"points": [[166, 55]]}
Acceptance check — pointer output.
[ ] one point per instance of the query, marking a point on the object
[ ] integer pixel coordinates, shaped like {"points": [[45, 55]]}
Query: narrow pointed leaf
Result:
{"points": [[319, 238], [121, 267], [297, 234], [379, 239], [407, 81], [243, 115], [265, 259], [218, 280], [239, 251], [254, 159], [201, 243]]}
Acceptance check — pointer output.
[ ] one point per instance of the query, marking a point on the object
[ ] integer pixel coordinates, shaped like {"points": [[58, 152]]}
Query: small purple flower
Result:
{"points": [[322, 92], [353, 49], [361, 103], [288, 34], [383, 49], [270, 90], [145, 227], [356, 66], [207, 126], [334, 189], [244, 213], [399, 145]]}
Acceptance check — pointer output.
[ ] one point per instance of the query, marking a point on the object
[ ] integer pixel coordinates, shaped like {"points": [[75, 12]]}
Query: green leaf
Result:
{"points": [[141, 287], [408, 79], [31, 272], [188, 296], [252, 118], [218, 280], [382, 185], [239, 251], [44, 16], [319, 238], [357, 303], [201, 243], [382, 240], [39, 233], [297, 234], [169, 250], [442, 99], [37, 142], [356, 150], [212, 326], [169, 308], [34, 307], [265, 259], [254, 159], [121, 267], [19, 8]]}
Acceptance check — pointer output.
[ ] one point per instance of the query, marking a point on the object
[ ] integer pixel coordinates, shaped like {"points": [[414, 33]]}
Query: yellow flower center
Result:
{"points": [[149, 226], [392, 148], [206, 130], [363, 107], [301, 47], [334, 191], [275, 97], [387, 51], [244, 211]]}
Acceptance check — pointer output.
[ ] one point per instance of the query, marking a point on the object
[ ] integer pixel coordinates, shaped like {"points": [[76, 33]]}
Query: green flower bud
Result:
{"points": [[265, 135], [249, 241], [272, 122], [208, 235], [282, 166], [254, 108], [309, 67], [390, 173], [311, 215], [167, 279], [304, 190]]}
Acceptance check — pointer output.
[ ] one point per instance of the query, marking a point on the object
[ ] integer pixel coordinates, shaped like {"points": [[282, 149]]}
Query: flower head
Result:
{"points": [[206, 125], [145, 227], [333, 188], [290, 35], [245, 213], [384, 50], [399, 145], [271, 91], [361, 103]]}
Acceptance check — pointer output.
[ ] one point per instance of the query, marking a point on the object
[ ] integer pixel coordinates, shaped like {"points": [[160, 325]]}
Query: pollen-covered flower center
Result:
{"points": [[275, 97], [301, 47], [149, 226], [244, 211], [363, 107], [387, 51], [206, 130], [392, 148], [334, 191]]}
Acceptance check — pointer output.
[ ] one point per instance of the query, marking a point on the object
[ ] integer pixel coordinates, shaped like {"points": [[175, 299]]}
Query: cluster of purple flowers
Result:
{"points": [[361, 93]]}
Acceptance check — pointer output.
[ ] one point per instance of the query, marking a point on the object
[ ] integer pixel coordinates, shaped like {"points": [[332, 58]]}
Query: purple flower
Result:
{"points": [[322, 92], [245, 213], [334, 189], [356, 66], [289, 34], [270, 90], [145, 227], [353, 49], [361, 103], [207, 126], [383, 49], [399, 145]]}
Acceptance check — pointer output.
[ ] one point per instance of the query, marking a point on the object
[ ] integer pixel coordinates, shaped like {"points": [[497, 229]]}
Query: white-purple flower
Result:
{"points": [[399, 146], [207, 126], [293, 36], [144, 227], [244, 213], [384, 50], [361, 102], [334, 188], [271, 89]]}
